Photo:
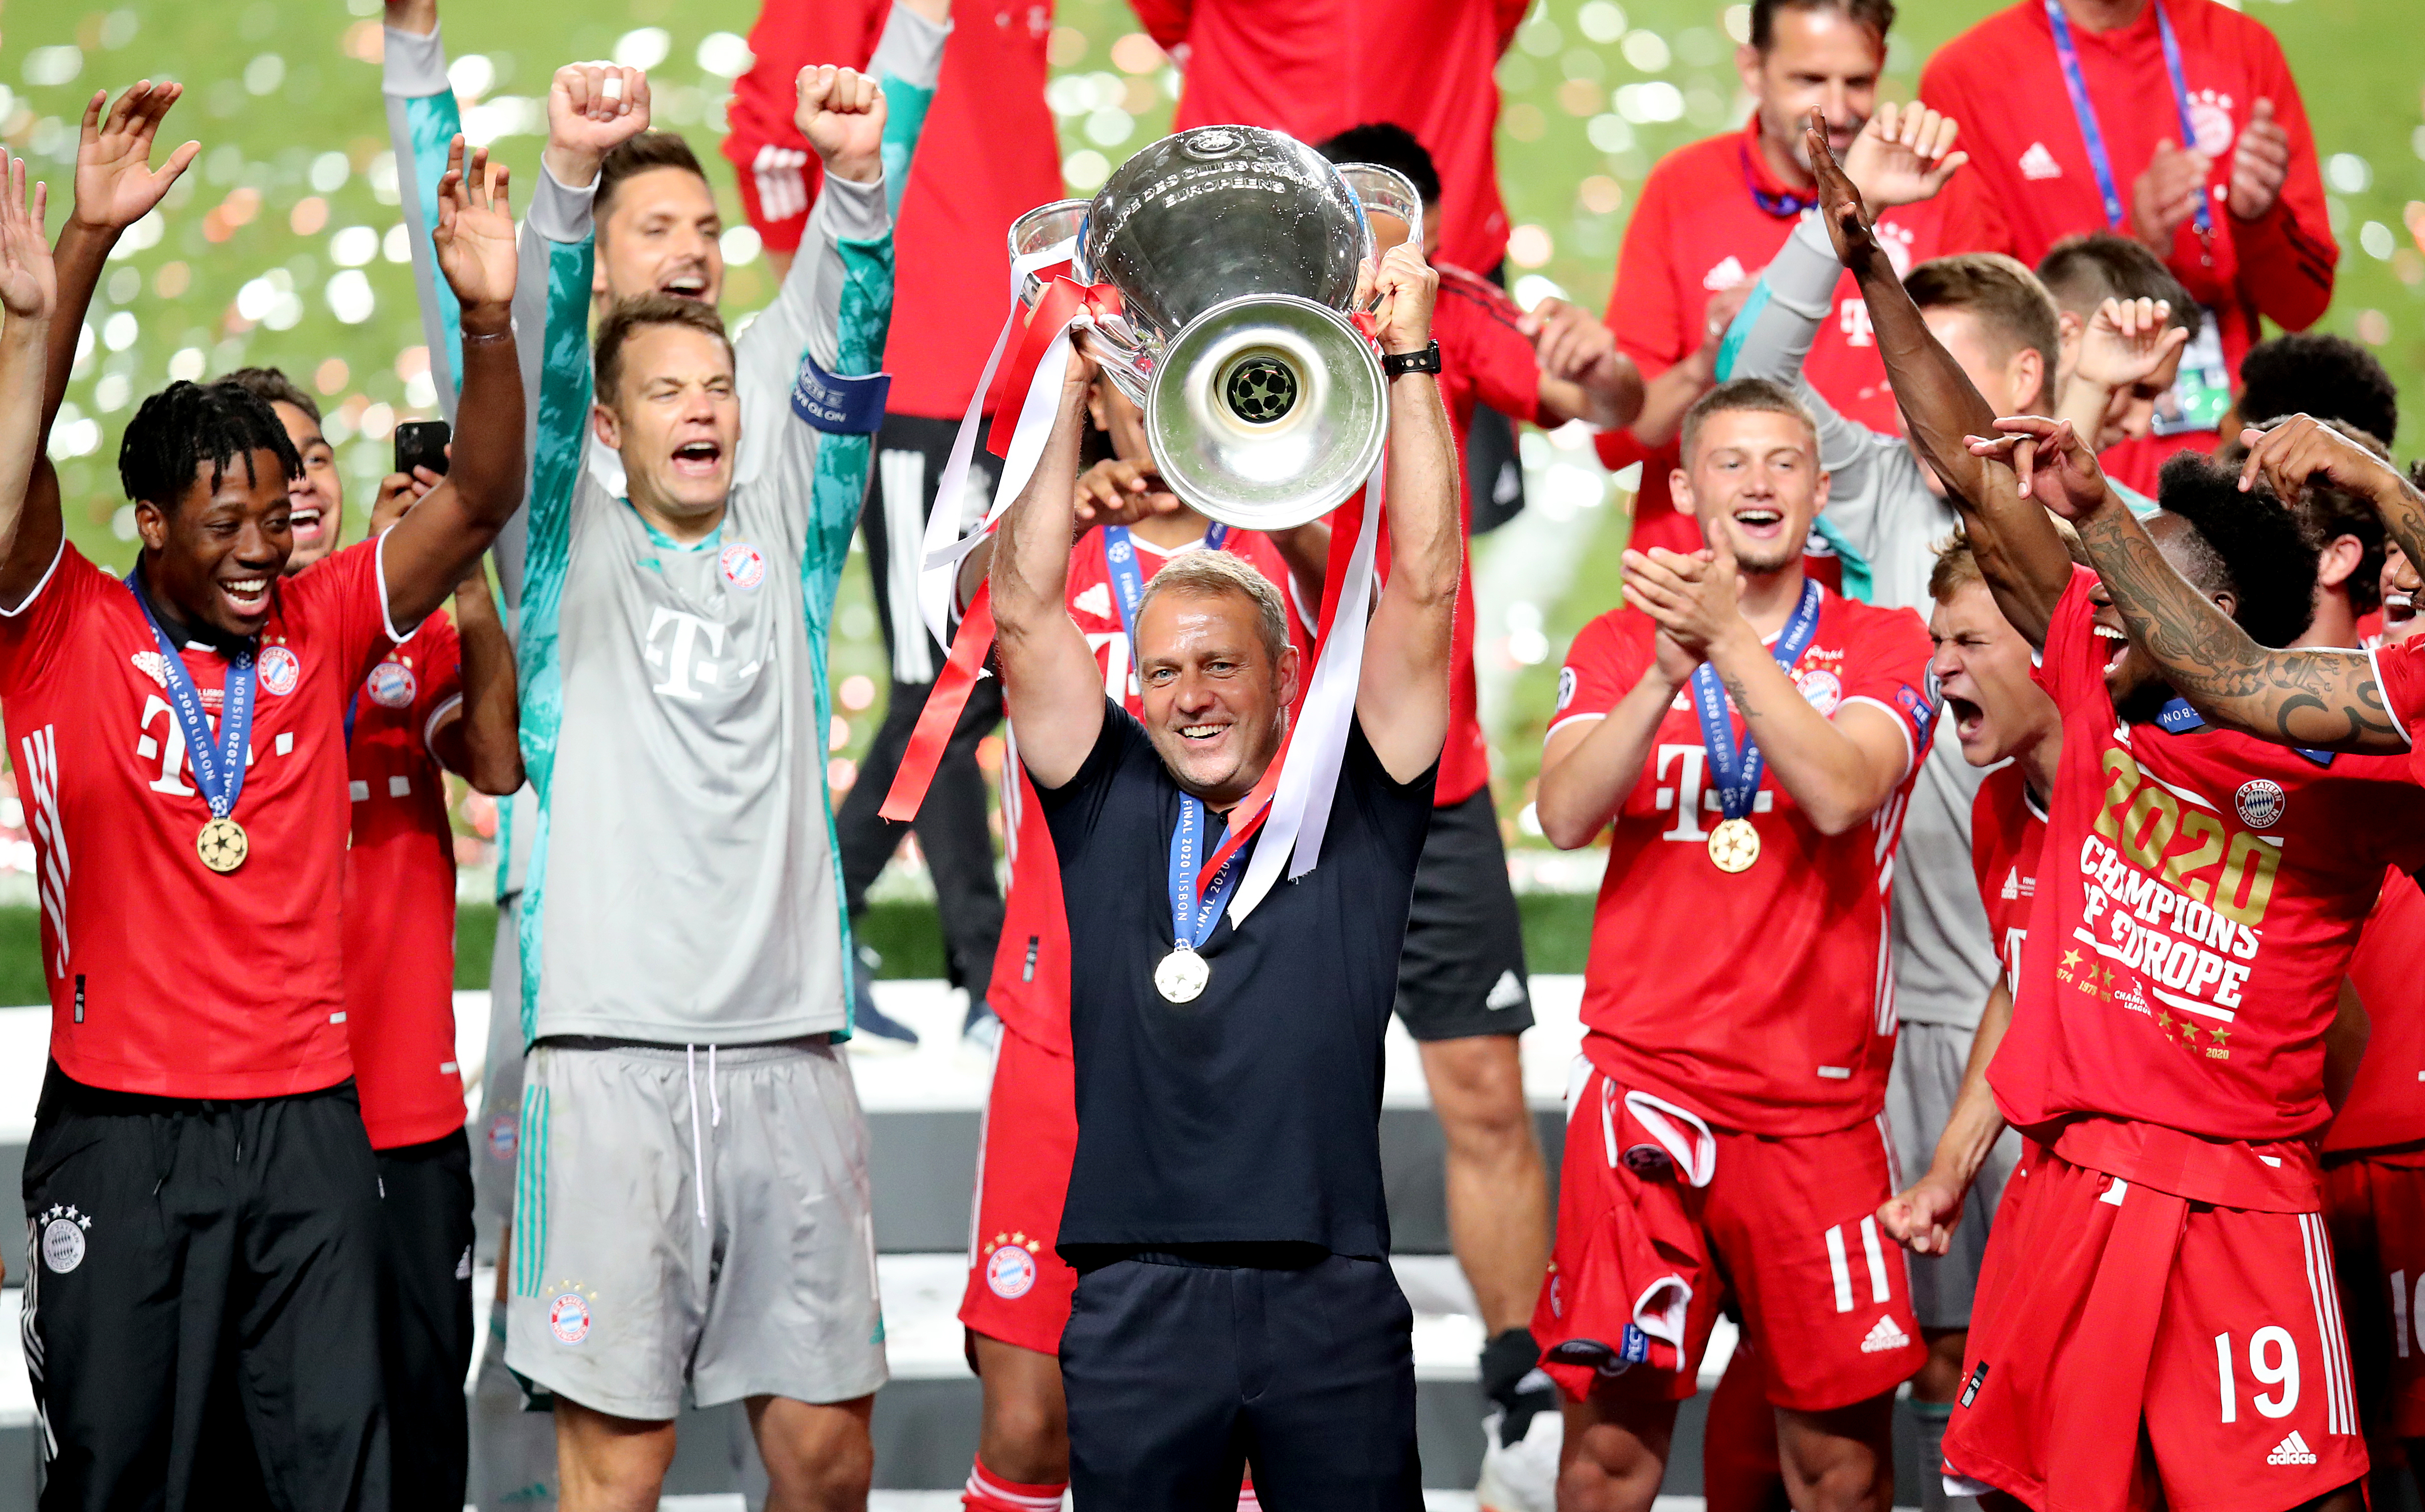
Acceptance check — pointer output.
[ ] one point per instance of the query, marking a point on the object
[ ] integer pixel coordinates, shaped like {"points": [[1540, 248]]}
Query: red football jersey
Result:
{"points": [[400, 894], [168, 978], [2003, 81], [1314, 68], [987, 154], [2007, 828], [1030, 988], [2385, 1107], [1763, 1001], [2199, 896], [1697, 231], [2400, 669]]}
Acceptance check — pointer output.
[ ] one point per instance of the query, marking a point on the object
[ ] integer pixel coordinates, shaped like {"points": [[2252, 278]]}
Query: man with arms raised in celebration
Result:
{"points": [[204, 1310], [1234, 1300], [2164, 1263], [1754, 738]]}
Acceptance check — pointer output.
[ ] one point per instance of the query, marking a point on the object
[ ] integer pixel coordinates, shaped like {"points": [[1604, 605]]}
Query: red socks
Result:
{"points": [[989, 1492]]}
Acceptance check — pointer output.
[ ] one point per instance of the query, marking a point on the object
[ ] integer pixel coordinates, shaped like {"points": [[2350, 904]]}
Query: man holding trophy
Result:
{"points": [[1235, 1303]]}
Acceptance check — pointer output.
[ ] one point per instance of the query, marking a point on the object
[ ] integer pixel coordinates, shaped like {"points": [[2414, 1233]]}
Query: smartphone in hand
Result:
{"points": [[421, 444]]}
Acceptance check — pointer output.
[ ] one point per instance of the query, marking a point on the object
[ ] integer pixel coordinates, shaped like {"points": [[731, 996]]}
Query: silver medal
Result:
{"points": [[1180, 975]]}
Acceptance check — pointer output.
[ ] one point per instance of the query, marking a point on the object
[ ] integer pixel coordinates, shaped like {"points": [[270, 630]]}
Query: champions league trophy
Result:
{"points": [[1234, 253]]}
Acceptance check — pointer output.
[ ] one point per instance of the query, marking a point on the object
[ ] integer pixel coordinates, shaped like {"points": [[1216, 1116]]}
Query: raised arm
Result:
{"points": [[433, 548], [483, 742], [2018, 551], [1051, 685], [1402, 692], [1593, 759], [2321, 700], [29, 292], [2126, 343]]}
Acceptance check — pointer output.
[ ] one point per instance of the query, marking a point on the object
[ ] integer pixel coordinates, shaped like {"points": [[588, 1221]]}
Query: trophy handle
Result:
{"points": [[1386, 193], [1040, 238], [1127, 354]]}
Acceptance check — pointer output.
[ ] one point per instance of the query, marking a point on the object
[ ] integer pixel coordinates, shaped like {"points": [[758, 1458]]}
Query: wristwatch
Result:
{"points": [[1400, 365]]}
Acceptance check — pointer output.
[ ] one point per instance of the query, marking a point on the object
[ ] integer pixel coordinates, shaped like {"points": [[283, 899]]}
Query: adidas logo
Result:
{"points": [[154, 665], [1884, 1336], [2292, 1451], [1724, 275], [2017, 886], [2038, 163], [1096, 601], [1507, 992]]}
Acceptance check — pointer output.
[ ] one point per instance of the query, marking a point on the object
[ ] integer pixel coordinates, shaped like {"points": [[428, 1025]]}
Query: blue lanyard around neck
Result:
{"points": [[2076, 85], [1128, 578], [1192, 921], [217, 766], [1785, 203], [1737, 769]]}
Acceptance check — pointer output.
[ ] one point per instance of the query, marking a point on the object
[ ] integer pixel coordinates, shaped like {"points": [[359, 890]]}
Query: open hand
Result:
{"points": [[842, 114], [592, 108], [474, 239], [2304, 449], [1117, 492], [1694, 596], [1850, 228], [1406, 285], [2050, 462], [29, 284], [2260, 164], [1921, 1217], [2167, 194], [114, 183], [2129, 341], [1903, 155]]}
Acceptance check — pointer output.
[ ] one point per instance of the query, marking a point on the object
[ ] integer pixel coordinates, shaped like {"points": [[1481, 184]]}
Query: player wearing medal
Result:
{"points": [[2198, 896], [2175, 122], [202, 1308], [1016, 1301], [692, 1219], [1753, 737], [1225, 1212]]}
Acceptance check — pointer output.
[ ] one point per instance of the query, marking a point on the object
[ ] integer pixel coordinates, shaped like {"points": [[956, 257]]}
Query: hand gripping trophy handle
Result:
{"points": [[1044, 238]]}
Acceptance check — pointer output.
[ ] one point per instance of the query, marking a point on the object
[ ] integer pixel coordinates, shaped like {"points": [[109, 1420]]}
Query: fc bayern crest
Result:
{"points": [[392, 685], [504, 1134], [744, 566], [568, 1318], [63, 1239], [1820, 688], [278, 671], [1011, 1272], [2261, 802]]}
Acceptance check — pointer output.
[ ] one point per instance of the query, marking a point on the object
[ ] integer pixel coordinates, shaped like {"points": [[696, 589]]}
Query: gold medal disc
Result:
{"points": [[223, 845], [1734, 846]]}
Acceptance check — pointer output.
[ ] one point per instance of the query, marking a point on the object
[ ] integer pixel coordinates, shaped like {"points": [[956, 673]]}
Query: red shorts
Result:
{"points": [[2375, 1207], [1644, 1261], [2216, 1330], [1019, 1287]]}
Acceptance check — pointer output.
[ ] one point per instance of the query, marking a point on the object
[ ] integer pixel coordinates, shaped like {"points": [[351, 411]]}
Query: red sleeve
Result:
{"points": [[343, 605], [2401, 670], [1890, 671], [1509, 15], [1166, 20], [2070, 666], [2287, 254], [31, 637], [790, 35], [437, 665], [1476, 327], [1602, 667]]}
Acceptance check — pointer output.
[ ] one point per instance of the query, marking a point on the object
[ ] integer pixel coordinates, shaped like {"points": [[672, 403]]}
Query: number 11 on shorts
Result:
{"points": [[2272, 1360]]}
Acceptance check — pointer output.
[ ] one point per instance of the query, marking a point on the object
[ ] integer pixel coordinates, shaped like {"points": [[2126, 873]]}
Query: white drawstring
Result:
{"points": [[697, 1149], [714, 1105]]}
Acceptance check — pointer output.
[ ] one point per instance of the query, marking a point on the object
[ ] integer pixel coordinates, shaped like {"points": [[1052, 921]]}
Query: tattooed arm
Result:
{"points": [[2324, 699]]}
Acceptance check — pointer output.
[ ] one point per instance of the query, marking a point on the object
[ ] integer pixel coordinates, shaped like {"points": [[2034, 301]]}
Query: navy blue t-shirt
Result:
{"points": [[1250, 1116]]}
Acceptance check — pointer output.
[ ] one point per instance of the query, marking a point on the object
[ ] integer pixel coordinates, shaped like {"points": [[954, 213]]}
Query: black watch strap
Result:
{"points": [[1427, 360]]}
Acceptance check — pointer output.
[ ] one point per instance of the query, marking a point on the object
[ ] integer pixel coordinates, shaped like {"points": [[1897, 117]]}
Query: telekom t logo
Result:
{"points": [[1688, 793], [685, 669]]}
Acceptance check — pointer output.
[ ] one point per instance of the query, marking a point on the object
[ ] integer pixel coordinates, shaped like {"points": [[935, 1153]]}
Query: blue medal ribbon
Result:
{"points": [[2178, 717], [1191, 921], [219, 768], [2076, 85], [1737, 769]]}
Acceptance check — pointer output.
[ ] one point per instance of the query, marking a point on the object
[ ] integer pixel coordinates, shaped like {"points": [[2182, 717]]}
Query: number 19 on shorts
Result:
{"points": [[2272, 1362]]}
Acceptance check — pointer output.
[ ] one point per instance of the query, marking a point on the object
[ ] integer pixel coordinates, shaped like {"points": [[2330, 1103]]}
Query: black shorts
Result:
{"points": [[1462, 972], [426, 1317], [202, 1309]]}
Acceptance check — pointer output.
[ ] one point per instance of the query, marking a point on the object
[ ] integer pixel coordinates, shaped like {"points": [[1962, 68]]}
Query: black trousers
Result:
{"points": [[426, 1317], [1179, 1375], [910, 451], [202, 1301]]}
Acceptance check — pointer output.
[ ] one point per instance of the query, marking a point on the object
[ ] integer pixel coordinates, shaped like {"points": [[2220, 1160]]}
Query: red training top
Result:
{"points": [[166, 977], [1697, 230], [988, 155], [2383, 1109], [2200, 894], [1314, 68], [2401, 670], [1763, 1001], [2007, 831], [400, 894], [1030, 988], [2003, 81]]}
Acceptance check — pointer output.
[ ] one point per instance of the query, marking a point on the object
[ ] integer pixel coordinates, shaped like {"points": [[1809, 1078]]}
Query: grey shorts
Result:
{"points": [[741, 1263], [1920, 1092]]}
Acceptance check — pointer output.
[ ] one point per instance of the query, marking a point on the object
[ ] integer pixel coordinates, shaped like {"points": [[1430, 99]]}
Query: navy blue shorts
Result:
{"points": [[1179, 1375]]}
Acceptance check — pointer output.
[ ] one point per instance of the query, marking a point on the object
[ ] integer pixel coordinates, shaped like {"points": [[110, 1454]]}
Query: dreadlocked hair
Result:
{"points": [[2247, 545], [188, 425]]}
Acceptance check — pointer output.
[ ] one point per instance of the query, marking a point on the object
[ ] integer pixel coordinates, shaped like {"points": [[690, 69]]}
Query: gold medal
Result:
{"points": [[223, 845], [1734, 846]]}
